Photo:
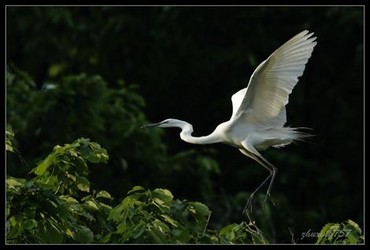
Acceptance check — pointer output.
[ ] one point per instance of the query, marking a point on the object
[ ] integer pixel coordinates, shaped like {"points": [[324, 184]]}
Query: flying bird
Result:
{"points": [[258, 111]]}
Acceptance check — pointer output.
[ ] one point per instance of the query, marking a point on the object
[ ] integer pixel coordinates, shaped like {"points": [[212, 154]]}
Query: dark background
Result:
{"points": [[186, 62]]}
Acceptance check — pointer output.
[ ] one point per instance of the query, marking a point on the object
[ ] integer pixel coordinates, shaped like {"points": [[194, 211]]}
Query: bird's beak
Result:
{"points": [[151, 125]]}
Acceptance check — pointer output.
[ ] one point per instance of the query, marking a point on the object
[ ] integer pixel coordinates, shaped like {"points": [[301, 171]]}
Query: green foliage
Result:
{"points": [[65, 169], [347, 232], [242, 233], [57, 206], [146, 216], [9, 138], [19, 99], [35, 215]]}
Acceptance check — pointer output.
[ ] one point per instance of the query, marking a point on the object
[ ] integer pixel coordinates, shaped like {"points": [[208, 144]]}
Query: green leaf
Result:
{"points": [[323, 232], [81, 165], [72, 177], [43, 166], [56, 69], [83, 234], [162, 227], [9, 139], [159, 203], [116, 212], [163, 194], [51, 233], [170, 220], [29, 224], [158, 232], [354, 226], [181, 235], [106, 238], [9, 147], [83, 184], [104, 194], [94, 153], [14, 182], [228, 231], [136, 189], [352, 239], [15, 228], [138, 230], [91, 204], [200, 208]]}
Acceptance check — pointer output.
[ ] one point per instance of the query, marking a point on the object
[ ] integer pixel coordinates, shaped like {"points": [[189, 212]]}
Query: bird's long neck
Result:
{"points": [[187, 130]]}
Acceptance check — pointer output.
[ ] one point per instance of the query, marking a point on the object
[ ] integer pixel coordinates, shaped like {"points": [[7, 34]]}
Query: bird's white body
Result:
{"points": [[234, 134], [258, 114], [261, 137]]}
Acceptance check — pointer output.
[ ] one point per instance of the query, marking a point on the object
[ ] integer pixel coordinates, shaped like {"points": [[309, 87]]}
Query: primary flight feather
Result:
{"points": [[258, 111]]}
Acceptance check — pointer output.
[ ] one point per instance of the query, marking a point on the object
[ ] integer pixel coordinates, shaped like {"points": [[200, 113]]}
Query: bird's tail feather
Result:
{"points": [[300, 134], [291, 135]]}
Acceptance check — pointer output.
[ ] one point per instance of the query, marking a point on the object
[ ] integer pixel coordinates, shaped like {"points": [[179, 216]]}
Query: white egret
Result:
{"points": [[258, 111]]}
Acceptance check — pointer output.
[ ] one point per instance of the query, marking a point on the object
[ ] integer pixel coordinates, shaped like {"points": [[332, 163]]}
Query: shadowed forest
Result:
{"points": [[103, 72]]}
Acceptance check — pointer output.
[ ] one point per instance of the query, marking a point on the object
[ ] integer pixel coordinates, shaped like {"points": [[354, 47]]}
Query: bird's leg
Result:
{"points": [[249, 202], [255, 155], [274, 171], [248, 206]]}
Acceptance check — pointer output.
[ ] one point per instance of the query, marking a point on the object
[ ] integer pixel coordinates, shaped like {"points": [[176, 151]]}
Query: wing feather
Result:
{"points": [[264, 100]]}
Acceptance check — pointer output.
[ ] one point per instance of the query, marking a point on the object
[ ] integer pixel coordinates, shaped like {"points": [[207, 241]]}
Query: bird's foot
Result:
{"points": [[248, 207], [265, 200]]}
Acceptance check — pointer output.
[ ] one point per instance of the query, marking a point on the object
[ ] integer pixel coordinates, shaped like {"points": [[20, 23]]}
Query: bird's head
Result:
{"points": [[168, 123]]}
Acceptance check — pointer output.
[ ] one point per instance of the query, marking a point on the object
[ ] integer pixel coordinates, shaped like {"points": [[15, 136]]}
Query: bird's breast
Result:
{"points": [[233, 134]]}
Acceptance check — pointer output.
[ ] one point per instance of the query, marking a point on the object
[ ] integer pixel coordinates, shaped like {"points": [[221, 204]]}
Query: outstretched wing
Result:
{"points": [[263, 101]]}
